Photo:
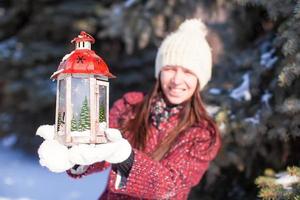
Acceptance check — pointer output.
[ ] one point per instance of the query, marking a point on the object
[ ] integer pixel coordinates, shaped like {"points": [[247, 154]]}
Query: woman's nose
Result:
{"points": [[177, 77]]}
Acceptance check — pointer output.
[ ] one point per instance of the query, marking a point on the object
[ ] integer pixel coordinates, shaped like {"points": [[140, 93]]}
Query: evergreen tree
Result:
{"points": [[280, 186], [102, 117], [74, 124], [283, 122], [59, 119], [79, 125], [84, 121]]}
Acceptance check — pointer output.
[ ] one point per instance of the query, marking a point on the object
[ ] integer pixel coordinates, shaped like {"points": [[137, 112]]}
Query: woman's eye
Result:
{"points": [[168, 69], [187, 72]]}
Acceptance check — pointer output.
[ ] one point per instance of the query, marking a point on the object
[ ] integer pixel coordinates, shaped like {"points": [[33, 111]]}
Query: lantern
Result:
{"points": [[82, 100]]}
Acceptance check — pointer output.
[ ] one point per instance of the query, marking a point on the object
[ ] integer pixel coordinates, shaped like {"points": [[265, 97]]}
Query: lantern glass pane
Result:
{"points": [[102, 106], [80, 102], [61, 115]]}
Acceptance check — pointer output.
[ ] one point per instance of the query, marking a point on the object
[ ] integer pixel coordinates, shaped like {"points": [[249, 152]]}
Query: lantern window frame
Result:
{"points": [[95, 81]]}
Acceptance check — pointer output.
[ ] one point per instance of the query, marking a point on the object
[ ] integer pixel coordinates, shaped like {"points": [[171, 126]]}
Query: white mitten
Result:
{"points": [[52, 154], [46, 132], [123, 149], [116, 150]]}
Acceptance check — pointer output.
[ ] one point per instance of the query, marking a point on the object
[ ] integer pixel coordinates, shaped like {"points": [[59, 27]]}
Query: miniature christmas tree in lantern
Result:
{"points": [[82, 95]]}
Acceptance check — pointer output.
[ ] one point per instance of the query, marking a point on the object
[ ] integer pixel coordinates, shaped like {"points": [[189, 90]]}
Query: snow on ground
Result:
{"points": [[22, 178]]}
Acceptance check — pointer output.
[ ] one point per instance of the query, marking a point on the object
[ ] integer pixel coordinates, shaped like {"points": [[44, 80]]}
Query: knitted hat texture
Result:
{"points": [[187, 47]]}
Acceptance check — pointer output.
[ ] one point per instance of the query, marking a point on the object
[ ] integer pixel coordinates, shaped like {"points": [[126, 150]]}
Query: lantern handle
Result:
{"points": [[84, 36]]}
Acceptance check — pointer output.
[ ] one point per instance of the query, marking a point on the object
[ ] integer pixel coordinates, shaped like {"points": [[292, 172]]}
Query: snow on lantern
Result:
{"points": [[82, 100]]}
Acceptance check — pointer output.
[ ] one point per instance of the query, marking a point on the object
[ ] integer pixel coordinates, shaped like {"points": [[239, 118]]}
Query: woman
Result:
{"points": [[168, 140]]}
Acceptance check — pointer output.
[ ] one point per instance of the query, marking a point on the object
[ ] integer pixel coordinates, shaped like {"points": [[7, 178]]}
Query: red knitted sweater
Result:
{"points": [[173, 176]]}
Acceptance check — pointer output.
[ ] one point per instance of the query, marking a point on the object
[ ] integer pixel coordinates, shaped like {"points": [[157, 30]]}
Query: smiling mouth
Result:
{"points": [[176, 91]]}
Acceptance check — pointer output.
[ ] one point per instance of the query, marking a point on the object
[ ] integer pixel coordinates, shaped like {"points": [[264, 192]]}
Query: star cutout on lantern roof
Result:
{"points": [[80, 59], [97, 60]]}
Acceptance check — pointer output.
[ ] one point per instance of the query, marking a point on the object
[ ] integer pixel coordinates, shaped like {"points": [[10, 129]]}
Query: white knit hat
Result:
{"points": [[187, 47]]}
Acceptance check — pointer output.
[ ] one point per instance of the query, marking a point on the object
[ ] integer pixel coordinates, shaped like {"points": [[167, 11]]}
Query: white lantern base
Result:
{"points": [[83, 137], [87, 140]]}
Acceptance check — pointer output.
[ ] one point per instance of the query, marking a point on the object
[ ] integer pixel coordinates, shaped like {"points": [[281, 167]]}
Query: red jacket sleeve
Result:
{"points": [[174, 176], [122, 106]]}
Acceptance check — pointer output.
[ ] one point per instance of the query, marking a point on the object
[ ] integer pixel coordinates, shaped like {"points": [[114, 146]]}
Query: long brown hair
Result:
{"points": [[193, 112]]}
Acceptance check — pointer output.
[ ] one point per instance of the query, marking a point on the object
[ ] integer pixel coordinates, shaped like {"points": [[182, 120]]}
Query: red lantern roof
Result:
{"points": [[84, 37], [83, 60]]}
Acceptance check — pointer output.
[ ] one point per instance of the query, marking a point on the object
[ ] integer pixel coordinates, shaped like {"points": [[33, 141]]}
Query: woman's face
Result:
{"points": [[178, 84]]}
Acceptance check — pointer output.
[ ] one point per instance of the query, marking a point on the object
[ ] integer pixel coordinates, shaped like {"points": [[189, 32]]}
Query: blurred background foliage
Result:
{"points": [[253, 96]]}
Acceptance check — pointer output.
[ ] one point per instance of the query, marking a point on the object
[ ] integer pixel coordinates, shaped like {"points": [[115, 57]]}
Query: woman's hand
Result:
{"points": [[116, 150], [52, 154]]}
